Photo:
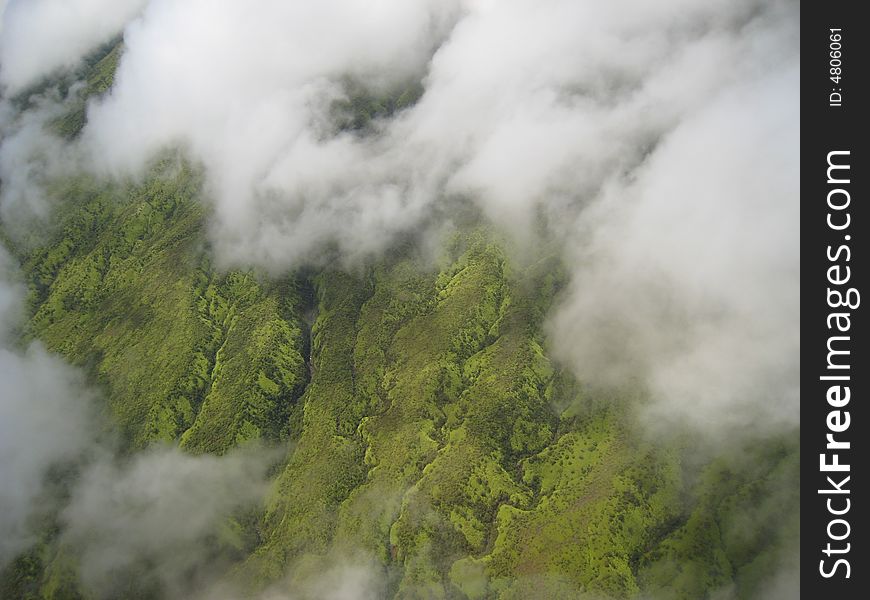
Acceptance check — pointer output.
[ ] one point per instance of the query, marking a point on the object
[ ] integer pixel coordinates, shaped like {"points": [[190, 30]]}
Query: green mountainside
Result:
{"points": [[421, 419]]}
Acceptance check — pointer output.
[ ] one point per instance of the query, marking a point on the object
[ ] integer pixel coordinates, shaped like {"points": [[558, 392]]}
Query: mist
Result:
{"points": [[688, 271], [39, 37], [655, 145], [44, 419], [159, 508], [31, 158], [160, 517]]}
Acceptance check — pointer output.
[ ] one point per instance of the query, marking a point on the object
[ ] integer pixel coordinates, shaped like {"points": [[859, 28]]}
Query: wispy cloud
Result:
{"points": [[39, 37], [655, 143]]}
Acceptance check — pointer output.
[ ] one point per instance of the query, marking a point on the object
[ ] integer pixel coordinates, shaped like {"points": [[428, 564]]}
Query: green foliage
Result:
{"points": [[183, 352], [361, 108], [98, 72], [21, 578], [424, 423], [746, 514], [253, 379]]}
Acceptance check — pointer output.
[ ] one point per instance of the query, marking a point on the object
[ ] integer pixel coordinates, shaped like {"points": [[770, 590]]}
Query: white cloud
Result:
{"points": [[154, 514], [44, 418], [636, 129], [38, 37], [659, 141]]}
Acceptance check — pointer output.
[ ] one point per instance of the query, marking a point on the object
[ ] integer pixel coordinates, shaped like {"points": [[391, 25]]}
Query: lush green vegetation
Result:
{"points": [[424, 422]]}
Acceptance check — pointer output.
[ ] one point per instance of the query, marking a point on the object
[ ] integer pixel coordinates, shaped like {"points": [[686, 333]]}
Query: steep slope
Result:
{"points": [[126, 290], [424, 429]]}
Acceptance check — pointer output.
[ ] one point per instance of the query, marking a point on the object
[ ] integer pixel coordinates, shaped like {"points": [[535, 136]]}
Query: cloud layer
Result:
{"points": [[153, 513], [657, 143], [688, 271], [44, 419], [38, 37], [158, 516]]}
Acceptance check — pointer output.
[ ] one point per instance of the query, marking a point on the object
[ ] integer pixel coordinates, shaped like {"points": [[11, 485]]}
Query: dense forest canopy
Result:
{"points": [[407, 300]]}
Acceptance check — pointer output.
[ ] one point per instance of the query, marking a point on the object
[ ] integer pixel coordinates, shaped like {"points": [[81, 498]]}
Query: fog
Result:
{"points": [[159, 518], [151, 514], [38, 37], [31, 156], [688, 271], [44, 419], [656, 145]]}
